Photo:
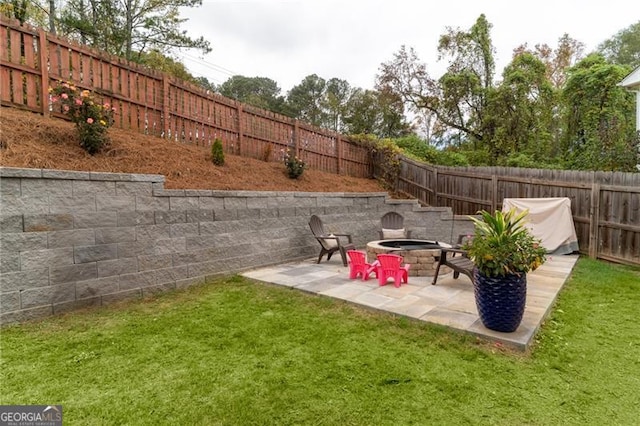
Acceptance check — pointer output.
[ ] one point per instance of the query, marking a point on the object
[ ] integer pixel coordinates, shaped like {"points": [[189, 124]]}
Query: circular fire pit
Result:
{"points": [[423, 255]]}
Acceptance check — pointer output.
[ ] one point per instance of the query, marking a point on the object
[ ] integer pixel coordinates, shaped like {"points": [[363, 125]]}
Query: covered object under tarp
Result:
{"points": [[550, 220]]}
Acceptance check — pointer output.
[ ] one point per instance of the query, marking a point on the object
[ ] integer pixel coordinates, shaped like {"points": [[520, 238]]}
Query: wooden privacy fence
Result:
{"points": [[605, 205], [154, 103]]}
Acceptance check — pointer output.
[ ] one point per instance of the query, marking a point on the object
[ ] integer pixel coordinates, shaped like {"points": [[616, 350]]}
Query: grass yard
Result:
{"points": [[236, 352]]}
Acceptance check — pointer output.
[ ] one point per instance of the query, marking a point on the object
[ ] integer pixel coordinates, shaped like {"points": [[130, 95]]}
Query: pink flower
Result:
{"points": [[55, 99], [107, 106], [90, 120], [66, 108], [78, 101], [64, 96]]}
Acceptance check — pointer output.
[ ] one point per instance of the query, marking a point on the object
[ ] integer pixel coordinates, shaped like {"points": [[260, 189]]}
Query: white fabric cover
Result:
{"points": [[390, 234], [550, 220]]}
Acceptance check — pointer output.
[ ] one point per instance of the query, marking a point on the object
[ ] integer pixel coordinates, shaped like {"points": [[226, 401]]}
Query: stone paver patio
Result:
{"points": [[450, 303]]}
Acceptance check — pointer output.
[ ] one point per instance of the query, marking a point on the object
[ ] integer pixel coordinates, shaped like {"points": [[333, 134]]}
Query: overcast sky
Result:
{"points": [[287, 40]]}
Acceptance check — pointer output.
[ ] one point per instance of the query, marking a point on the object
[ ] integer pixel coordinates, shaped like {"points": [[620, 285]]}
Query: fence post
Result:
{"points": [[494, 193], [165, 105], [296, 136], [240, 132], [338, 153], [435, 188], [44, 70], [594, 220]]}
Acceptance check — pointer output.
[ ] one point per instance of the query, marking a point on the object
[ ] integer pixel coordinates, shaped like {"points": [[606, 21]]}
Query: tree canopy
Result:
{"points": [[551, 108], [624, 47], [129, 28], [599, 131], [261, 92]]}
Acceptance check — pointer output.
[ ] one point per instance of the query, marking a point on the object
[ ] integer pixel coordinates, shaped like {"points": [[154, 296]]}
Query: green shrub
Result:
{"points": [[413, 145], [452, 159], [92, 118], [295, 166], [217, 154], [384, 156]]}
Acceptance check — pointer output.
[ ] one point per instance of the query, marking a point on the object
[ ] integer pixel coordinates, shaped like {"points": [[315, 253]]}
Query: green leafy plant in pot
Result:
{"points": [[503, 251]]}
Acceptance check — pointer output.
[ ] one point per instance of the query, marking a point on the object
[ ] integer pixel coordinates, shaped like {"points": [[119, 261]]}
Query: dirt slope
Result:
{"points": [[30, 140]]}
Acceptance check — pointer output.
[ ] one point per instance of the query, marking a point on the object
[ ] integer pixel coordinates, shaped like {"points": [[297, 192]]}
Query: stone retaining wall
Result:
{"points": [[74, 239]]}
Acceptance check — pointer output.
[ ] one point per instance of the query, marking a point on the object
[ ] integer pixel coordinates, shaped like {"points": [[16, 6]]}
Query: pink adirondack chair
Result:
{"points": [[358, 265], [391, 267]]}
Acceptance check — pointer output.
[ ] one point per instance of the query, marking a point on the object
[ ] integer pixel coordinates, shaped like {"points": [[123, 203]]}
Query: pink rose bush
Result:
{"points": [[92, 118]]}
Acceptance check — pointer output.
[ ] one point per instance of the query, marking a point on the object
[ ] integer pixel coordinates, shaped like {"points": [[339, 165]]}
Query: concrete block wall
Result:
{"points": [[73, 239]]}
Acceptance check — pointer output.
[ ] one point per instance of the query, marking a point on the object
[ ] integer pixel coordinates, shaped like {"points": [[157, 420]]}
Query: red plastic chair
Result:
{"points": [[358, 265], [391, 267]]}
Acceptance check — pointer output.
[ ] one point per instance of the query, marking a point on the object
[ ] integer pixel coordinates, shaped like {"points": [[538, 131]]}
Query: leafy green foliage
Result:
{"points": [[599, 119], [294, 165], [416, 147], [156, 60], [260, 92], [380, 113], [452, 158], [556, 60], [305, 100], [624, 47], [519, 115], [385, 155], [91, 117], [542, 113], [502, 245], [459, 98], [217, 153], [131, 27]]}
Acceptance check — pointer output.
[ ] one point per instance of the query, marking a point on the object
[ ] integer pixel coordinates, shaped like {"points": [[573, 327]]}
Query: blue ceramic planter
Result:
{"points": [[500, 300]]}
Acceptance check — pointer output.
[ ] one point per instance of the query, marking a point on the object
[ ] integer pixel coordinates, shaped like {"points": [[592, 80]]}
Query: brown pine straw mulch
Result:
{"points": [[30, 140]]}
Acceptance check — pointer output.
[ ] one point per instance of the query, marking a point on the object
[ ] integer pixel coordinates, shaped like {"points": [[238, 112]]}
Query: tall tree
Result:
{"points": [[459, 98], [261, 92], [624, 47], [520, 111], [393, 122], [336, 95], [129, 28], [557, 61], [362, 113], [25, 11], [377, 113], [157, 61], [599, 120], [305, 100]]}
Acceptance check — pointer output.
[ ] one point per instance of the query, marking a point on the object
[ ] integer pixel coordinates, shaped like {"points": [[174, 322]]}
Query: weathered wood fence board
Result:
{"points": [[605, 205], [153, 103]]}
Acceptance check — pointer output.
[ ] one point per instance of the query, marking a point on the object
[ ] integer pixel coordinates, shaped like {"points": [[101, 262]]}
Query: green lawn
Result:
{"points": [[238, 352]]}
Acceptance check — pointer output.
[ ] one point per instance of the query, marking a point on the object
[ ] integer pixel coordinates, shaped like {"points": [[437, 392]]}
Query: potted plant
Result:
{"points": [[503, 251]]}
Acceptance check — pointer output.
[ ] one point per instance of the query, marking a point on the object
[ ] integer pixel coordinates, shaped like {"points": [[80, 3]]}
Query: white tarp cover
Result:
{"points": [[550, 220]]}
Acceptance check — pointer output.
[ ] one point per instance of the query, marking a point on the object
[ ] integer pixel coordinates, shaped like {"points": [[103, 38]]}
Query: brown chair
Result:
{"points": [[460, 264], [393, 227], [329, 243]]}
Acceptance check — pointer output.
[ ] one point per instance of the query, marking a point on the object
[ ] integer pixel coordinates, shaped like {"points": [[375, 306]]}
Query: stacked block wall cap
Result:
{"points": [[18, 172]]}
